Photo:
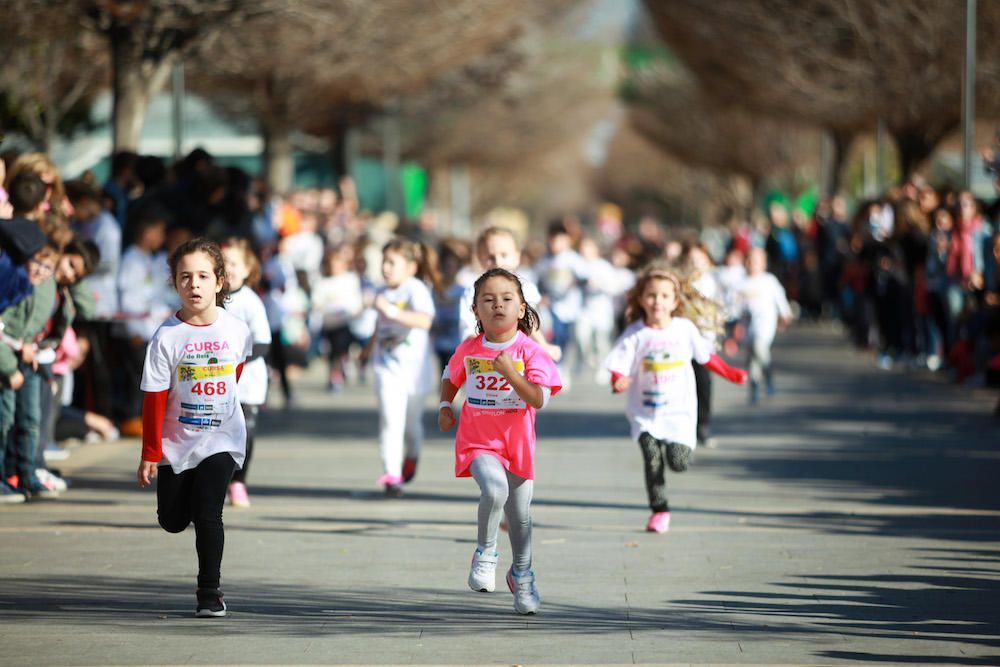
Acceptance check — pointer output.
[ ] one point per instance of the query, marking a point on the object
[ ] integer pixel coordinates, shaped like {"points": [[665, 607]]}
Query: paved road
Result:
{"points": [[852, 517]]}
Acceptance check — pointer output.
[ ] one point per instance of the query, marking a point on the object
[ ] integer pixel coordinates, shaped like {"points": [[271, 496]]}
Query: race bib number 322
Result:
{"points": [[487, 388]]}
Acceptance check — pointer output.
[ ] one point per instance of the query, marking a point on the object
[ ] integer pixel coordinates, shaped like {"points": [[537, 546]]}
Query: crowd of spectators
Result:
{"points": [[912, 275]]}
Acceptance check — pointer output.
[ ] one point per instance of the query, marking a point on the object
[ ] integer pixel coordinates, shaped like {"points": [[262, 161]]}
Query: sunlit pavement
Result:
{"points": [[854, 516]]}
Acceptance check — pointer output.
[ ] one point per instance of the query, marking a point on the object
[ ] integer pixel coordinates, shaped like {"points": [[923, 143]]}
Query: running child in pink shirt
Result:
{"points": [[507, 377]]}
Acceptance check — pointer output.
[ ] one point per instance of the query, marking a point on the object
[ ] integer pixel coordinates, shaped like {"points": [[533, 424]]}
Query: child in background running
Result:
{"points": [[193, 432], [701, 275], [243, 274], [765, 308], [652, 361], [400, 348], [507, 377], [336, 301], [496, 248]]}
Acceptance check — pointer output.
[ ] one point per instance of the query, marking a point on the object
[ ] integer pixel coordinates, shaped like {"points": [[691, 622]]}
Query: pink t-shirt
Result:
{"points": [[495, 420]]}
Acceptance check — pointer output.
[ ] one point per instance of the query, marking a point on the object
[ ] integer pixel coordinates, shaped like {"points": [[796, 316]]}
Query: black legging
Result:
{"points": [[703, 390], [657, 456], [250, 415], [197, 495]]}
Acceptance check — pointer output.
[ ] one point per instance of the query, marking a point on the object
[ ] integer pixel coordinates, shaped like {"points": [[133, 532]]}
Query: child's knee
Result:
{"points": [[497, 498], [173, 525], [679, 457]]}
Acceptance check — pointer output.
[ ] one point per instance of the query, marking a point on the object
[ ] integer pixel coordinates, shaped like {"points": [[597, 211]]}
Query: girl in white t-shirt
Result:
{"points": [[243, 274], [193, 432], [652, 360], [400, 349]]}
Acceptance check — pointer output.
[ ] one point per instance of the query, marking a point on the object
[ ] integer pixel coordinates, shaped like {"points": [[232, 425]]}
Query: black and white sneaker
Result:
{"points": [[210, 603]]}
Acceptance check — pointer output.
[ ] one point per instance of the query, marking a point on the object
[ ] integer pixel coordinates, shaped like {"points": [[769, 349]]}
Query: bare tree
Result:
{"points": [[146, 38], [519, 116], [326, 62], [51, 67], [842, 64], [671, 109]]}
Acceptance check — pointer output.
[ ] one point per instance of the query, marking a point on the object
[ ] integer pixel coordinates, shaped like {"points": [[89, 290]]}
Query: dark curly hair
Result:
{"points": [[529, 322], [210, 248]]}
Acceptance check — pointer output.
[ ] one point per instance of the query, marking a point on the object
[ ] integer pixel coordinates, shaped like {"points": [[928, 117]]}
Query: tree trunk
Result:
{"points": [[135, 82], [278, 162], [339, 159], [840, 142], [916, 145]]}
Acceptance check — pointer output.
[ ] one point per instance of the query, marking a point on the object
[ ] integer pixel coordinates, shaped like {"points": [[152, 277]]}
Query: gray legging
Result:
{"points": [[503, 491]]}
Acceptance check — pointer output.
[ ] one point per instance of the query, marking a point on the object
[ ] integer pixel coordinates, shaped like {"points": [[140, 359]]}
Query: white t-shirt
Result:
{"points": [[249, 309], [560, 276], [661, 399], [467, 323], [106, 234], [141, 292], [336, 300], [198, 365], [762, 299], [402, 353]]}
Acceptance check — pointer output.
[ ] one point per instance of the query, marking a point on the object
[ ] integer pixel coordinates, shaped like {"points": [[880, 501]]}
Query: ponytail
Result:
{"points": [[424, 256], [427, 266]]}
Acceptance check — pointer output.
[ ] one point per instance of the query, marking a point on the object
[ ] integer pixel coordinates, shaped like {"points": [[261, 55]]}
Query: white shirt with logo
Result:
{"points": [[661, 399], [402, 353], [247, 306], [197, 364]]}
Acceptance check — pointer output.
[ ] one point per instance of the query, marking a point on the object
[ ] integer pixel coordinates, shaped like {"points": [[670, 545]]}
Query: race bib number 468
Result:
{"points": [[486, 388]]}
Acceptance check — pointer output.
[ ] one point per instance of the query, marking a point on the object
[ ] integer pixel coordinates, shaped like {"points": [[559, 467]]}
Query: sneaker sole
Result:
{"points": [[208, 613], [482, 589]]}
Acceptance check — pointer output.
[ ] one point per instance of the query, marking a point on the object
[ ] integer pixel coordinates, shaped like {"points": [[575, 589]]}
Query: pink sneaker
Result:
{"points": [[238, 495], [392, 484], [659, 522]]}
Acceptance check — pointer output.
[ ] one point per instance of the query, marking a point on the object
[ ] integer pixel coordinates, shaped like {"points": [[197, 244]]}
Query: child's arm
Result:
{"points": [[724, 370], [408, 318], [619, 382], [446, 416], [366, 351], [154, 409], [529, 392]]}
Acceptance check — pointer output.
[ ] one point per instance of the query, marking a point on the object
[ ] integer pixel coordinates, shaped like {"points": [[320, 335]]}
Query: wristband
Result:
{"points": [[444, 404], [391, 311]]}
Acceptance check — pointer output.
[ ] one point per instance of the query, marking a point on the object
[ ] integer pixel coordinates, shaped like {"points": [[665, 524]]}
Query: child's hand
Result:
{"points": [[28, 355], [504, 365], [145, 473], [446, 419], [16, 380], [554, 352], [621, 384], [385, 307]]}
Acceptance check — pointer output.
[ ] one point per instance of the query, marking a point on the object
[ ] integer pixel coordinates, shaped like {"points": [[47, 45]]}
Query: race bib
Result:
{"points": [[486, 388], [658, 380], [206, 395]]}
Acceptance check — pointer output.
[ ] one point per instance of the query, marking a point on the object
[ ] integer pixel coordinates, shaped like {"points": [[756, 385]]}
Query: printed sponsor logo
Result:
{"points": [[481, 401], [196, 406], [187, 373], [480, 365]]}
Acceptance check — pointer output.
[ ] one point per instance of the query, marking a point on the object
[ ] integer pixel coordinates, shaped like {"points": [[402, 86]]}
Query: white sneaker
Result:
{"points": [[483, 572], [50, 480], [522, 585]]}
